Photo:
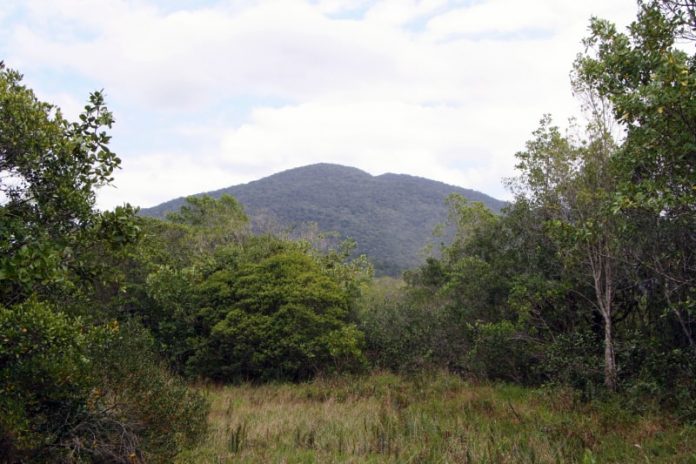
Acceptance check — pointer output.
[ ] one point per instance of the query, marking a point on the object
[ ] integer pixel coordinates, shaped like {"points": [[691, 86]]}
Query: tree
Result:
{"points": [[49, 170], [651, 85], [573, 182], [269, 310], [680, 12], [71, 386], [213, 222]]}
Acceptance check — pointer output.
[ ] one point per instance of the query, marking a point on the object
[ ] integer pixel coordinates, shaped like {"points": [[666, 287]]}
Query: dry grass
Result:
{"points": [[438, 419]]}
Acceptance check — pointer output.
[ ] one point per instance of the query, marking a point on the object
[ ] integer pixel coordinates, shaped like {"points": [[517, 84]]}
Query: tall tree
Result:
{"points": [[213, 222], [572, 183], [650, 82], [71, 388], [49, 171]]}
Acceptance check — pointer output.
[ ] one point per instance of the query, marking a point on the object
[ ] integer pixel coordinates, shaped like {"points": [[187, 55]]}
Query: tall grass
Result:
{"points": [[386, 418]]}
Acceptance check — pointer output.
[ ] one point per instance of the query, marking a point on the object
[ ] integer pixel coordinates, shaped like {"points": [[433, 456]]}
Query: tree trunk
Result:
{"points": [[602, 273], [610, 376]]}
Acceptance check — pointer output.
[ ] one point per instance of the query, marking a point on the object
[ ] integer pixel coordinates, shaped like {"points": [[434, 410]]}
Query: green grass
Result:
{"points": [[386, 418]]}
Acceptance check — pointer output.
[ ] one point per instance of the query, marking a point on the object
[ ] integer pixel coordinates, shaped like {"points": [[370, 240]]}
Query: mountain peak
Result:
{"points": [[324, 169], [391, 216]]}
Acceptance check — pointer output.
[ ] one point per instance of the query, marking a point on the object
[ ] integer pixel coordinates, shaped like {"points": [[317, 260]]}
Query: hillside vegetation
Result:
{"points": [[391, 217]]}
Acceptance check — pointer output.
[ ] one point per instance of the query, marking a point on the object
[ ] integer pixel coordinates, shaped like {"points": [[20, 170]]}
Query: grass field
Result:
{"points": [[386, 418]]}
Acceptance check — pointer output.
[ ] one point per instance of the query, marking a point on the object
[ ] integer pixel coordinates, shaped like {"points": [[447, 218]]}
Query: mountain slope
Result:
{"points": [[391, 216]]}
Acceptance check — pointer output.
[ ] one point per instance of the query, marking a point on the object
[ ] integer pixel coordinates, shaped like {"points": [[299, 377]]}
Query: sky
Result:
{"points": [[207, 94]]}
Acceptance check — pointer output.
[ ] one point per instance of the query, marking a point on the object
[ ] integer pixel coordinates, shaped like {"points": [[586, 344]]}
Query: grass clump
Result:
{"points": [[386, 418]]}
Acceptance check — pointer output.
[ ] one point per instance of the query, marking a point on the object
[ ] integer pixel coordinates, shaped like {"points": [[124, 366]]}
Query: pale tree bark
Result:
{"points": [[602, 274], [610, 371]]}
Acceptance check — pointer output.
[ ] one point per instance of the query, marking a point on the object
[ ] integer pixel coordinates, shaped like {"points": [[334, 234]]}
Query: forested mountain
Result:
{"points": [[113, 325], [391, 216]]}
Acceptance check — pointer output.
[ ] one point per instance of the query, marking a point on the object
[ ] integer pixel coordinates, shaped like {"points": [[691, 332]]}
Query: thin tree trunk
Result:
{"points": [[604, 289], [610, 375]]}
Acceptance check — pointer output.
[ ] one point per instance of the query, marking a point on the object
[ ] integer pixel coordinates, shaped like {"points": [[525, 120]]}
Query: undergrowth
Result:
{"points": [[439, 418]]}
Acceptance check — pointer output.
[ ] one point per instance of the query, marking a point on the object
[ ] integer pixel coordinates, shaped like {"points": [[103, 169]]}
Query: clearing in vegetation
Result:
{"points": [[440, 418]]}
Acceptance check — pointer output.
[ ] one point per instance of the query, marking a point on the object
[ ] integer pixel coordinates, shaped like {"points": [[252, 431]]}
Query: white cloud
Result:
{"points": [[155, 177], [431, 88], [68, 104], [452, 144], [510, 19]]}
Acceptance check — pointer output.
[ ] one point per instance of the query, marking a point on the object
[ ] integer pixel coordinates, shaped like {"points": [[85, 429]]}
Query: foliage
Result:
{"points": [[588, 276], [434, 322], [45, 380], [597, 249], [74, 389], [214, 222], [498, 352], [650, 83], [137, 399], [275, 316], [577, 213], [399, 334], [49, 169], [390, 217], [250, 307], [74, 395]]}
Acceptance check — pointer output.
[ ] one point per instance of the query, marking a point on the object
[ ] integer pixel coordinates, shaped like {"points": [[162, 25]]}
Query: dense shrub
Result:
{"points": [[261, 309], [70, 393], [279, 318], [45, 382], [574, 359], [658, 375], [147, 404], [500, 352], [407, 335], [398, 335], [73, 389]]}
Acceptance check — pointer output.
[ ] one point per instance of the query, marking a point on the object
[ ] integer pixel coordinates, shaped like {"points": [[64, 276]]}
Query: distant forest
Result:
{"points": [[391, 217]]}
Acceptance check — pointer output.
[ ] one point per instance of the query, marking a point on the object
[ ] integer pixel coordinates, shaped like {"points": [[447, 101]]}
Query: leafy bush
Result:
{"points": [[45, 382], [399, 336], [574, 359], [659, 375], [161, 414], [70, 393], [271, 311], [499, 353], [73, 389]]}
